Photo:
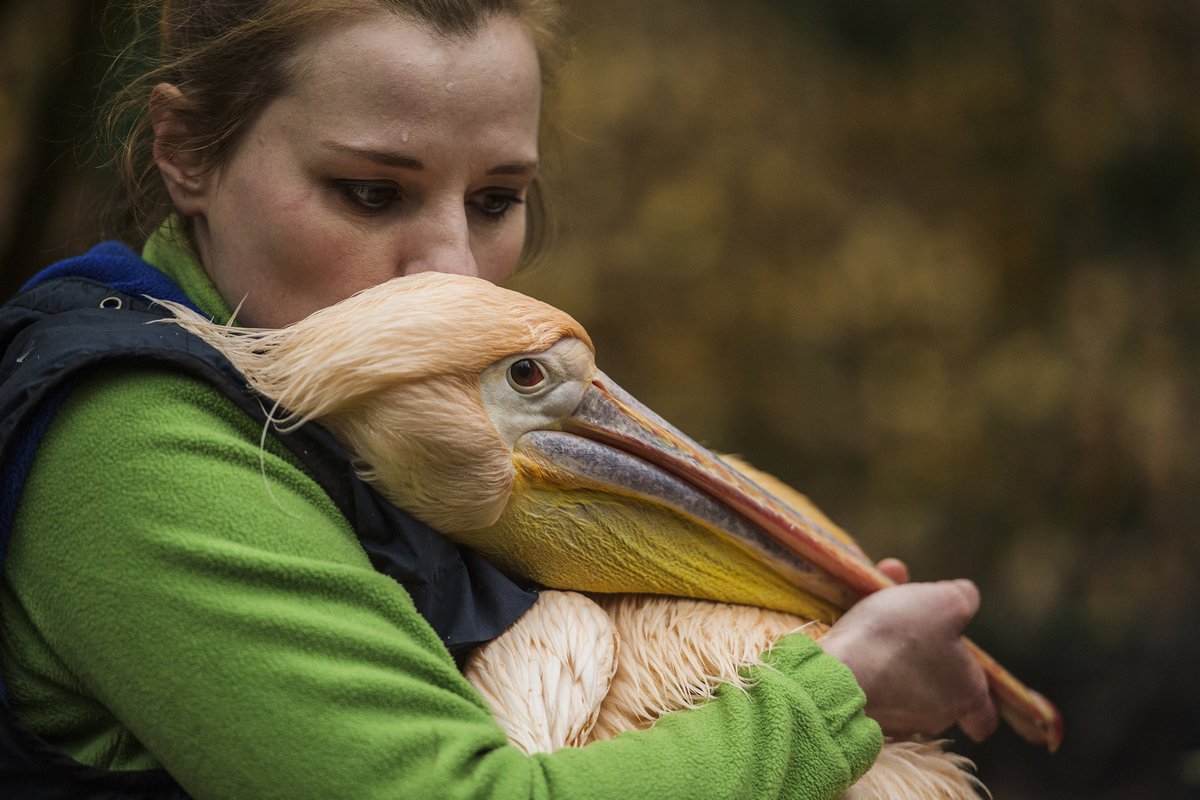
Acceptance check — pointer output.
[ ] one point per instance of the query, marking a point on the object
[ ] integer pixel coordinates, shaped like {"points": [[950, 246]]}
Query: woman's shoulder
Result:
{"points": [[139, 448]]}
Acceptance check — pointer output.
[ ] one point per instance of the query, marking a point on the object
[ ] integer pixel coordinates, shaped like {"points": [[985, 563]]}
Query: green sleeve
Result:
{"points": [[177, 595]]}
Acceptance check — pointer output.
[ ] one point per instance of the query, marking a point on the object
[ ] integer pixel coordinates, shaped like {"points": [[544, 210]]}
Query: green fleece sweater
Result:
{"points": [[175, 596]]}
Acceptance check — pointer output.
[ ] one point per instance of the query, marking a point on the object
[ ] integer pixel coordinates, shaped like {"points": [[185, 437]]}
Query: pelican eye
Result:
{"points": [[525, 375]]}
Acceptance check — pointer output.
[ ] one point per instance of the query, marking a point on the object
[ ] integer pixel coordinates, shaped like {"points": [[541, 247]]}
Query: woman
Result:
{"points": [[186, 608]]}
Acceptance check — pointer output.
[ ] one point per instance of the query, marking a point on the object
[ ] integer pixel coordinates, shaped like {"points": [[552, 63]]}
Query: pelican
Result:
{"points": [[481, 411]]}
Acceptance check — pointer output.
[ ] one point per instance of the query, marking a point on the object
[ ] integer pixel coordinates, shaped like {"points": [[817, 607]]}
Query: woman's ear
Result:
{"points": [[181, 165]]}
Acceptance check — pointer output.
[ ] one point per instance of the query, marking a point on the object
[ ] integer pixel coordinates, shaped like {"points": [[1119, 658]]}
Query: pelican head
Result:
{"points": [[481, 411]]}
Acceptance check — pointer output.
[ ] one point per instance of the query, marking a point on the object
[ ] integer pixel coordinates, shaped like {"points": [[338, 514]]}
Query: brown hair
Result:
{"points": [[231, 57]]}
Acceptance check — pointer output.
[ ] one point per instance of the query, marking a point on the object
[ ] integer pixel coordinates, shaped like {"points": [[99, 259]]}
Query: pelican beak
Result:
{"points": [[612, 417], [613, 441]]}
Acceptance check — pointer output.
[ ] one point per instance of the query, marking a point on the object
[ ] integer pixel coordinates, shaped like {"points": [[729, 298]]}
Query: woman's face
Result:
{"points": [[395, 151]]}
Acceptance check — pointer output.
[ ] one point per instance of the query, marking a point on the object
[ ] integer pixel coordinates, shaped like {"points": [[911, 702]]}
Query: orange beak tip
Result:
{"points": [[1051, 723], [1054, 731], [1045, 727]]}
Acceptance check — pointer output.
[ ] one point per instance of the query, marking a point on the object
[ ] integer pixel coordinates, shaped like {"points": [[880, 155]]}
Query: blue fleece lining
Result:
{"points": [[113, 264]]}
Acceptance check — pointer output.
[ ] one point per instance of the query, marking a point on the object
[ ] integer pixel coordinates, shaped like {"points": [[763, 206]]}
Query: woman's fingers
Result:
{"points": [[980, 724], [894, 568]]}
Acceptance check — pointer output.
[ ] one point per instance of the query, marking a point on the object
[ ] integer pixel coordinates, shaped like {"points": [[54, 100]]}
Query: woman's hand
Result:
{"points": [[903, 645]]}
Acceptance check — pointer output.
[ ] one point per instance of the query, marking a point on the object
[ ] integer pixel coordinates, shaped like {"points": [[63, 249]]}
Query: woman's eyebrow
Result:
{"points": [[390, 158], [515, 168], [387, 158]]}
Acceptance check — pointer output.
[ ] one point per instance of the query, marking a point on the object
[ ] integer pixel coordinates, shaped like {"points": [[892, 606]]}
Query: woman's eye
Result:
{"points": [[525, 374], [370, 195], [496, 204]]}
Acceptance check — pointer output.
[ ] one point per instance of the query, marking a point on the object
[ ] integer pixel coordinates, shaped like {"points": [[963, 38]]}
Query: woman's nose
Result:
{"points": [[441, 242]]}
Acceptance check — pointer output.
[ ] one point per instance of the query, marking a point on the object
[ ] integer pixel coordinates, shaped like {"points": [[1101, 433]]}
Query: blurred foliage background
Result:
{"points": [[935, 263]]}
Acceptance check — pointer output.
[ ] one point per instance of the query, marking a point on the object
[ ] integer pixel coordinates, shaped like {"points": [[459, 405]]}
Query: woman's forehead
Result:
{"points": [[383, 68]]}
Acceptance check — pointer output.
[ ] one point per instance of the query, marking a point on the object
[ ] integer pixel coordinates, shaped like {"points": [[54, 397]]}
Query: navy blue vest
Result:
{"points": [[90, 313]]}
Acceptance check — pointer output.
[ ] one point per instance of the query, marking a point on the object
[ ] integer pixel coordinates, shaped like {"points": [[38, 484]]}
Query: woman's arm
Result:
{"points": [[221, 613]]}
